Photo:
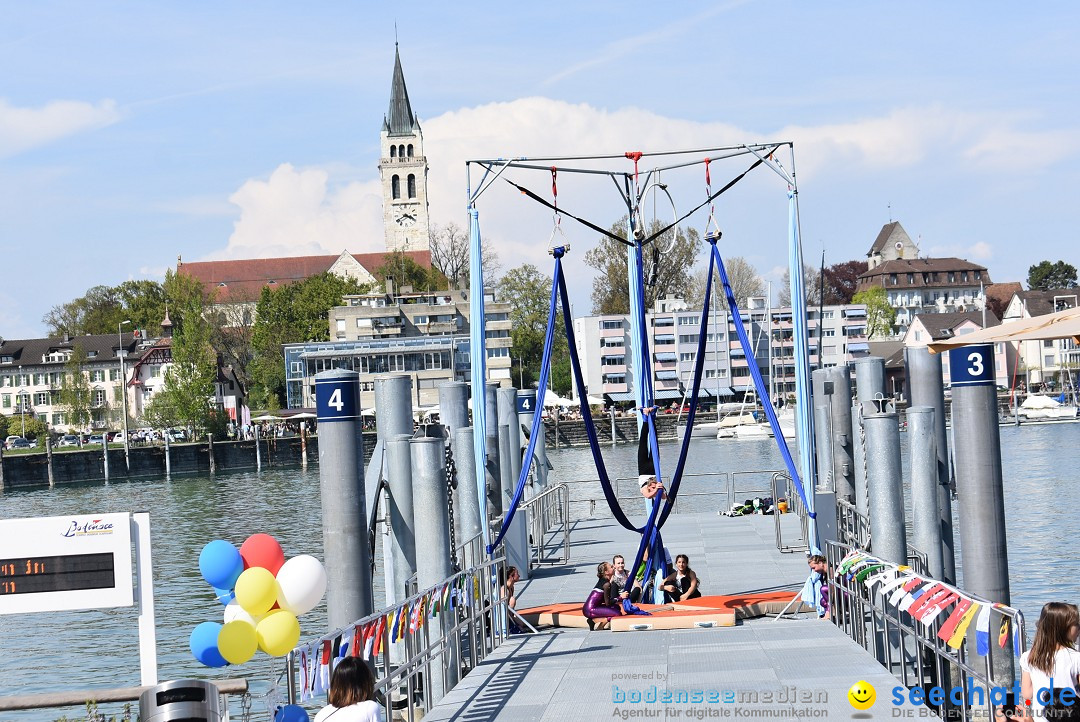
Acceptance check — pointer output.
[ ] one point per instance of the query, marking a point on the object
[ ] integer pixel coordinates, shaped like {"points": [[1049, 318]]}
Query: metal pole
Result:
{"points": [[613, 424], [168, 456], [48, 458], [858, 456], [508, 414], [258, 451], [840, 414], [123, 394], [105, 452], [926, 519], [886, 492], [402, 525], [869, 381], [468, 506], [822, 395], [210, 452], [926, 388], [494, 475], [393, 406], [344, 511], [432, 535]]}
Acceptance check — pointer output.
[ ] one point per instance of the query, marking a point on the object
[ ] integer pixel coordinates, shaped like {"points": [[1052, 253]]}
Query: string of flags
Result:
{"points": [[925, 599], [317, 659]]}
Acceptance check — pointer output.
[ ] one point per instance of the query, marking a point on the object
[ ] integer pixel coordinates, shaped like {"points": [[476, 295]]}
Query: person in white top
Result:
{"points": [[352, 694], [1052, 665]]}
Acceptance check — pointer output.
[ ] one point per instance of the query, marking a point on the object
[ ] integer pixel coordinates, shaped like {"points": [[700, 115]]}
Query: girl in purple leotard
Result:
{"points": [[602, 603]]}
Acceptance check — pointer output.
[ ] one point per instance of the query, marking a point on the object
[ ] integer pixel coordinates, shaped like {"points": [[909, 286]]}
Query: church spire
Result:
{"points": [[399, 119]]}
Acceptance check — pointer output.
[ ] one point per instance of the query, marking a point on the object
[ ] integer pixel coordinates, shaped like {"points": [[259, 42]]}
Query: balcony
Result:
{"points": [[615, 388], [441, 327], [613, 368], [612, 332]]}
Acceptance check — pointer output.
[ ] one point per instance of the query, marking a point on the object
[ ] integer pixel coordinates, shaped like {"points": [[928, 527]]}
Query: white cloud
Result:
{"points": [[24, 128], [978, 251], [297, 212]]}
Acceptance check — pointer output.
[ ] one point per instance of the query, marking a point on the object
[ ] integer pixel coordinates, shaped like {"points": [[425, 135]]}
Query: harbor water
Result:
{"points": [[87, 649]]}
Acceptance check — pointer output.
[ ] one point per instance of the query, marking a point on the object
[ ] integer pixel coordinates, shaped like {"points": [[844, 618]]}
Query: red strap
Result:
{"points": [[555, 188], [635, 155], [708, 180]]}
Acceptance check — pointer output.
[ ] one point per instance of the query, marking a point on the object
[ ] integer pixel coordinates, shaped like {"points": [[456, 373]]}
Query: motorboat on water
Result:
{"points": [[1046, 408]]}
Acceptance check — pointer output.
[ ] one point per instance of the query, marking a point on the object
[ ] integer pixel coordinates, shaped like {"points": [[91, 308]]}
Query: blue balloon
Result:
{"points": [[221, 564], [291, 713], [225, 596], [204, 644]]}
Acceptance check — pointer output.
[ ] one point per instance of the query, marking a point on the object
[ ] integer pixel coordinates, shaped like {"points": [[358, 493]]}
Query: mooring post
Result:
{"points": [[303, 444], [344, 511], [822, 394], [168, 455], [48, 460], [2, 467], [454, 415], [432, 535], [258, 450], [843, 465], [979, 488], [613, 422], [394, 419], [886, 492], [926, 387], [467, 510], [402, 524], [508, 414], [869, 381], [491, 429], [105, 453], [926, 519], [210, 450]]}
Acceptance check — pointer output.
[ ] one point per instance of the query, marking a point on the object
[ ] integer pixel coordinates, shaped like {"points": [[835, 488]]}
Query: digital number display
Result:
{"points": [[63, 573]]}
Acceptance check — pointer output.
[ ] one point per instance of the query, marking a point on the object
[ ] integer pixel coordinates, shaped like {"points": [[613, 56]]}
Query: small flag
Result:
{"points": [[958, 636], [1003, 632], [982, 631], [953, 621]]}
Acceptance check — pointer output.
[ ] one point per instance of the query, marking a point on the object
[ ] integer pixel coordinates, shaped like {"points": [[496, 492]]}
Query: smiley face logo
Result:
{"points": [[862, 695]]}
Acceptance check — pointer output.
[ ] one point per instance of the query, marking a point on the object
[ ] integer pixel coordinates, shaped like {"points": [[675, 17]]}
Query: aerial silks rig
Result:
{"points": [[632, 186]]}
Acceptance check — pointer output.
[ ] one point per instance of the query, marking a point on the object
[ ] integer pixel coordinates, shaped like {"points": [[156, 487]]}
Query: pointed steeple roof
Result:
{"points": [[399, 119]]}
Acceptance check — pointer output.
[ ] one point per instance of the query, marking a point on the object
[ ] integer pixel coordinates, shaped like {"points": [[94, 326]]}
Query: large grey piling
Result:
{"points": [[927, 388], [840, 414], [467, 510], [393, 406], [454, 415], [168, 456], [258, 449], [432, 535], [402, 525], [344, 511], [491, 430], [393, 417], [922, 466], [516, 539], [508, 414], [540, 459], [869, 381], [885, 496]]}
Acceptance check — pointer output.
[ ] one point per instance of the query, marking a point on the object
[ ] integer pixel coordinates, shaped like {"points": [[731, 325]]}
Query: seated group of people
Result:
{"points": [[611, 598]]}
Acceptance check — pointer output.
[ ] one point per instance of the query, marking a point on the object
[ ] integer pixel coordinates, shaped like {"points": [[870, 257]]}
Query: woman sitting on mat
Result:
{"points": [[603, 603], [681, 584]]}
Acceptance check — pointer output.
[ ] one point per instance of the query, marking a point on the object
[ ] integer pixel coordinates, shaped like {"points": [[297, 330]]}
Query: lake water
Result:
{"points": [[87, 649]]}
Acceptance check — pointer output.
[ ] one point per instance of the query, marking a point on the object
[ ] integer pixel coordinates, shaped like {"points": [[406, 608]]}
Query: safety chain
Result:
{"points": [[866, 477], [245, 707], [451, 484]]}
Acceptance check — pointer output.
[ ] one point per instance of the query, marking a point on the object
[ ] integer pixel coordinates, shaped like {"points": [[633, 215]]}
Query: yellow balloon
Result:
{"points": [[279, 633], [256, 591], [237, 641]]}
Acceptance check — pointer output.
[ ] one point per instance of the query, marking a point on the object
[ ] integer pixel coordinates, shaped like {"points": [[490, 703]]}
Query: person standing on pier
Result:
{"points": [[1052, 665]]}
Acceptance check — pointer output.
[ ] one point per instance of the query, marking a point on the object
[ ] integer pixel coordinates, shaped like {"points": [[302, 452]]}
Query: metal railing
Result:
{"points": [[852, 526], [548, 515], [418, 670], [97, 697], [782, 486], [914, 653]]}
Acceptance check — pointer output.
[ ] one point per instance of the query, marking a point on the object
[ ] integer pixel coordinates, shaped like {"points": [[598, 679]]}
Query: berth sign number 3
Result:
{"points": [[972, 365]]}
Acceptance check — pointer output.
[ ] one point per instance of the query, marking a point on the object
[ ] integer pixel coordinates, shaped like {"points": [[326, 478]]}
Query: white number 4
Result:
{"points": [[525, 404], [335, 400], [976, 361]]}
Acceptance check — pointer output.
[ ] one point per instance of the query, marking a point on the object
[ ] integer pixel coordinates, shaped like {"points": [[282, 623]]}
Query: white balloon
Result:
{"points": [[234, 611], [301, 583]]}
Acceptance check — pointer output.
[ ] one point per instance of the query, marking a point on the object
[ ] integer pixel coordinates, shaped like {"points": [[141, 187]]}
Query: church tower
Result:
{"points": [[403, 171]]}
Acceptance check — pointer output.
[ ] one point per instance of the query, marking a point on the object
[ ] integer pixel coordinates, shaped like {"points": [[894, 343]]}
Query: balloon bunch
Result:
{"points": [[263, 595]]}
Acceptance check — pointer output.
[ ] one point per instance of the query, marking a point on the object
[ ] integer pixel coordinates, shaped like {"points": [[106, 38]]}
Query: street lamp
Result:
{"points": [[123, 391]]}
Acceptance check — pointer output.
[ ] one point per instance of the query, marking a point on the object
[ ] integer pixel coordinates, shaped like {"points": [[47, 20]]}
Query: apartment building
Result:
{"points": [[426, 335], [1049, 365]]}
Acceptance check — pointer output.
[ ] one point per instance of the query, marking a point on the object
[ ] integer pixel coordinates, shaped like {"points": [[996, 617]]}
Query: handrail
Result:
{"points": [[795, 506], [434, 656], [373, 519], [913, 651], [546, 510], [98, 696]]}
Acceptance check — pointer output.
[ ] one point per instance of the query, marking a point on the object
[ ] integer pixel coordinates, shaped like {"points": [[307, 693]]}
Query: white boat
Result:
{"points": [[739, 426], [1045, 408]]}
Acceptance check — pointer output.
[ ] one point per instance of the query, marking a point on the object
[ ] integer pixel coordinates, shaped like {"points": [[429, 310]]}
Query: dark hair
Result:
{"points": [[683, 557], [352, 682], [617, 556], [600, 569], [1052, 633], [816, 559]]}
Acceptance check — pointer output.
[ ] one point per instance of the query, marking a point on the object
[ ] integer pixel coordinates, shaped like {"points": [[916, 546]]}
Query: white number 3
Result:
{"points": [[976, 361]]}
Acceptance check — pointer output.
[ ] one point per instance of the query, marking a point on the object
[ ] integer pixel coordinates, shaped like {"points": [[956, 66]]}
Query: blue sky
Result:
{"points": [[134, 132]]}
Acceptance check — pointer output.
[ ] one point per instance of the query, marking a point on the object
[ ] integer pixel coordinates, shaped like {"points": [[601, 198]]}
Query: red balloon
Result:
{"points": [[262, 550]]}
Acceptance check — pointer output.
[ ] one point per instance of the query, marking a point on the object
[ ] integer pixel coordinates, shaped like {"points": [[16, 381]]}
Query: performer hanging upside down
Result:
{"points": [[650, 487], [603, 602]]}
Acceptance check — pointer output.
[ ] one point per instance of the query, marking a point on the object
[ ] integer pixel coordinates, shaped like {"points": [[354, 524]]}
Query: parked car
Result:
{"points": [[9, 440], [115, 437], [20, 443], [68, 440], [96, 439], [177, 434]]}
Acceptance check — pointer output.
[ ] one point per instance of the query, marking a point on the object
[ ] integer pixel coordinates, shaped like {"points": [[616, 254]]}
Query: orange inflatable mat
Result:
{"points": [[703, 612]]}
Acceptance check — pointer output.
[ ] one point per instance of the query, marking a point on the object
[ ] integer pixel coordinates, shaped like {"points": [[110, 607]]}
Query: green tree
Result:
{"points": [[668, 262], [75, 396], [1045, 276], [103, 307], [297, 313], [404, 271], [450, 255], [880, 316], [529, 294]]}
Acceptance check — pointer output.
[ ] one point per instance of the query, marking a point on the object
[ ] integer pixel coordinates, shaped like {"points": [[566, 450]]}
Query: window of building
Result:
{"points": [[688, 320], [828, 350], [503, 316], [114, 374], [911, 279], [397, 361], [409, 150], [39, 379], [297, 367], [393, 151], [612, 360], [918, 335], [422, 320], [41, 398], [5, 381], [689, 337], [340, 325], [412, 186], [57, 419], [498, 353], [498, 333], [155, 371], [687, 356], [22, 380], [664, 321], [608, 325], [1048, 360], [828, 314], [97, 375], [614, 378], [5, 401], [1048, 343], [828, 332], [99, 397], [395, 187], [892, 279], [978, 275], [616, 342]]}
